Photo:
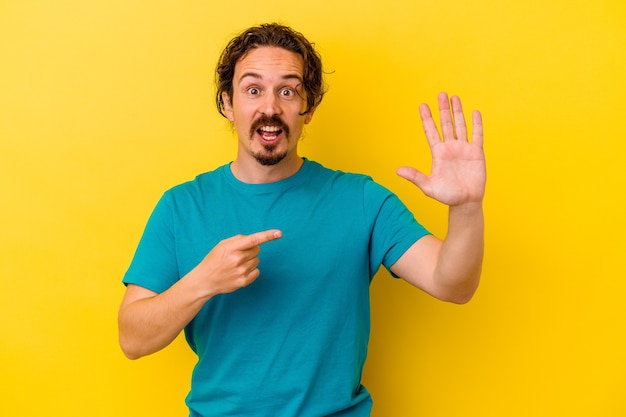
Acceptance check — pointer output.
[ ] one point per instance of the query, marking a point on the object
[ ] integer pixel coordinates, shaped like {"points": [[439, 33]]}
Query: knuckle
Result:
{"points": [[240, 271], [254, 274]]}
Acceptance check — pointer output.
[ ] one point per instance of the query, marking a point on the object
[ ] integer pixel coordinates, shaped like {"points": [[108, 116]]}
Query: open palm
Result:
{"points": [[458, 172]]}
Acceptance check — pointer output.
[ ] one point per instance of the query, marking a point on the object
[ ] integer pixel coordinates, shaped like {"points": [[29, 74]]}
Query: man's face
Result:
{"points": [[266, 104]]}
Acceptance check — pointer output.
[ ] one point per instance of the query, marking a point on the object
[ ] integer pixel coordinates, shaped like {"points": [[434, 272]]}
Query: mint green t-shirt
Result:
{"points": [[294, 342]]}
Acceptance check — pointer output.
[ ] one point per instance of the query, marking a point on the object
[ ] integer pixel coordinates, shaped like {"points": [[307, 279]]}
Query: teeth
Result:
{"points": [[270, 128]]}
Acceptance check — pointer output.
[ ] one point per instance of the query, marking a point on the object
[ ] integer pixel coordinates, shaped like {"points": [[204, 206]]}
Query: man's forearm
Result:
{"points": [[459, 264], [150, 322]]}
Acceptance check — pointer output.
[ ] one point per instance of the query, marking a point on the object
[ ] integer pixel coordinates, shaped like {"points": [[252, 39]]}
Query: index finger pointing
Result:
{"points": [[259, 238]]}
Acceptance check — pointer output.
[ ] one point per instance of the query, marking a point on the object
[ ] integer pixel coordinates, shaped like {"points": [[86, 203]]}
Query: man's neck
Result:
{"points": [[249, 170]]}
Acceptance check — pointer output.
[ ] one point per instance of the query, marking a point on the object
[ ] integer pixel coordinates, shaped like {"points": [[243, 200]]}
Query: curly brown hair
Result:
{"points": [[277, 35]]}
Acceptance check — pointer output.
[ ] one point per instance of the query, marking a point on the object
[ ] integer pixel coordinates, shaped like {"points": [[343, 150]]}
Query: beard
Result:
{"points": [[269, 156]]}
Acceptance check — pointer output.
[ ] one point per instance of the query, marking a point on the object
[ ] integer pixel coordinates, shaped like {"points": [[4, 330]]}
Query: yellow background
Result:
{"points": [[105, 104]]}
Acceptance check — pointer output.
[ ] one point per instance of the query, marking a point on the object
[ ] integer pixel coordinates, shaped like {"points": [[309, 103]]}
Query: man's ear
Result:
{"points": [[309, 116], [228, 107]]}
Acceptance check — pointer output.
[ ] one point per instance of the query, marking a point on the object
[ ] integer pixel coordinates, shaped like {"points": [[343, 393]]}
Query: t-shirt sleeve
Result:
{"points": [[394, 227], [154, 265]]}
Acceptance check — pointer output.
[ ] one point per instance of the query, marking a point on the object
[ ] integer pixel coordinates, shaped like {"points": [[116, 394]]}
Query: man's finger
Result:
{"points": [[458, 119], [256, 239], [430, 129], [413, 175], [445, 117], [477, 128]]}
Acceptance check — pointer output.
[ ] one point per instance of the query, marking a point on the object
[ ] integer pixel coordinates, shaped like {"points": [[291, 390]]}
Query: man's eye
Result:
{"points": [[253, 91], [287, 92]]}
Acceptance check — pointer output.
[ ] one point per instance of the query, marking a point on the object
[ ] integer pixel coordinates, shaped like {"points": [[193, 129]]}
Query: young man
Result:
{"points": [[266, 262]]}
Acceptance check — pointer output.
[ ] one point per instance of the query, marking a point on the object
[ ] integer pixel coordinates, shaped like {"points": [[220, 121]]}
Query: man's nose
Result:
{"points": [[271, 104]]}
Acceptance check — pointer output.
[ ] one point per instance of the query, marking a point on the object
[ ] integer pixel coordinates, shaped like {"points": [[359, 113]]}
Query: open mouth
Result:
{"points": [[269, 129], [269, 133]]}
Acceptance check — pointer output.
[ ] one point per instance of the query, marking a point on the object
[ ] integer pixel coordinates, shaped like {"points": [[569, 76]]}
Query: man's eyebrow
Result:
{"points": [[291, 76]]}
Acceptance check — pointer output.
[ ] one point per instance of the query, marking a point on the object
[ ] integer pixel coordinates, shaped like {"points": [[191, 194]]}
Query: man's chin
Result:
{"points": [[269, 158]]}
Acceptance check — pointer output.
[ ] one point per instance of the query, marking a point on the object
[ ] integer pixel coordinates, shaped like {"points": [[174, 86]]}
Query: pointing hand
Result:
{"points": [[232, 263]]}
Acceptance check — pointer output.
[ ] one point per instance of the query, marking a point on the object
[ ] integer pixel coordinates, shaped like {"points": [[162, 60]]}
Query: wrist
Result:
{"points": [[468, 208], [196, 286]]}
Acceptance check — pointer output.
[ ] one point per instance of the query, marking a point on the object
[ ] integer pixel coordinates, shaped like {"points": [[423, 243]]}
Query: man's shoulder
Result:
{"points": [[208, 177], [324, 172], [201, 184]]}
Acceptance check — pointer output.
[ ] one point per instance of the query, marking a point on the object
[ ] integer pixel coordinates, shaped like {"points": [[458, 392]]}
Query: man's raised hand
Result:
{"points": [[458, 173]]}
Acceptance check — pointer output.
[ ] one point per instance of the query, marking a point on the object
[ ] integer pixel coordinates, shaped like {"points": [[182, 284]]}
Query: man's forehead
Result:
{"points": [[269, 61]]}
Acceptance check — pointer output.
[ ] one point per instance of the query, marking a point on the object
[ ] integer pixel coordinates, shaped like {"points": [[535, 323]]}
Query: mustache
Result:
{"points": [[273, 120]]}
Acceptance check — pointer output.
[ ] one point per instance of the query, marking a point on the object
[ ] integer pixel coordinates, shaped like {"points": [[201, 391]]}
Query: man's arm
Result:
{"points": [[149, 321], [450, 269]]}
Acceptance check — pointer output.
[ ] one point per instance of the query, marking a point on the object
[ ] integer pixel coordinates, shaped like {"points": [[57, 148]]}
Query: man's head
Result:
{"points": [[271, 35]]}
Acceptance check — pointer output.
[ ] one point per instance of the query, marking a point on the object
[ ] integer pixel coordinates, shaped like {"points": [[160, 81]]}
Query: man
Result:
{"points": [[266, 262]]}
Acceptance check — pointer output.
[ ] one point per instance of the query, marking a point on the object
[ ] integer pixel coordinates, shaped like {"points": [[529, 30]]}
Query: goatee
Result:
{"points": [[269, 157]]}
